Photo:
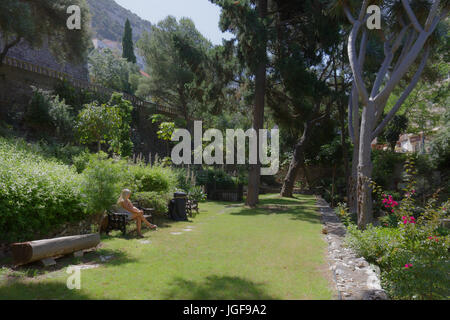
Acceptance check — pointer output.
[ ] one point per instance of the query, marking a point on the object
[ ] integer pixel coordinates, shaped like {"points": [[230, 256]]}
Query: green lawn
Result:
{"points": [[273, 252]]}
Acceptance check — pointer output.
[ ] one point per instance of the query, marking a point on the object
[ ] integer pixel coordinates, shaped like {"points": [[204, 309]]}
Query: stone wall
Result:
{"points": [[43, 57]]}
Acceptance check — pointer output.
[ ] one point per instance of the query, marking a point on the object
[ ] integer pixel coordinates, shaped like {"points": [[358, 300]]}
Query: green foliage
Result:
{"points": [[196, 193], [384, 165], [156, 200], [411, 248], [77, 98], [127, 43], [166, 130], [174, 53], [80, 161], [186, 179], [344, 215], [47, 110], [110, 71], [156, 178], [99, 123], [103, 182], [414, 264], [440, 146], [36, 194], [217, 179], [394, 129], [34, 21], [124, 145]]}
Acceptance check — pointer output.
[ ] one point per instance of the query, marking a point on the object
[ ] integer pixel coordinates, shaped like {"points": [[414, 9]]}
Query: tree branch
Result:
{"points": [[398, 74], [404, 95], [432, 14], [7, 47], [412, 16], [383, 70], [354, 60], [349, 14]]}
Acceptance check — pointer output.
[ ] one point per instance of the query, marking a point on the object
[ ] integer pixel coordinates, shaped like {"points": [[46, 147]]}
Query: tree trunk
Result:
{"points": [[295, 165], [355, 125], [353, 180], [24, 253], [99, 146], [254, 175], [365, 214], [345, 160]]}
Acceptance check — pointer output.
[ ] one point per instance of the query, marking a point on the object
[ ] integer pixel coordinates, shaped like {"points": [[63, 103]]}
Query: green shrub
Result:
{"points": [[414, 262], [154, 178], [196, 193], [49, 111], [37, 112], [80, 161], [157, 200], [36, 194], [185, 178], [103, 181], [413, 249], [384, 165], [217, 179]]}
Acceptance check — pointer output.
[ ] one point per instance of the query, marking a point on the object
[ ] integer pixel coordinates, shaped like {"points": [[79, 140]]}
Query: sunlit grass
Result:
{"points": [[275, 251]]}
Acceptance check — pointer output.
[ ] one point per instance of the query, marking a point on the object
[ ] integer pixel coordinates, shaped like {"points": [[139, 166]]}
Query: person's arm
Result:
{"points": [[127, 205]]}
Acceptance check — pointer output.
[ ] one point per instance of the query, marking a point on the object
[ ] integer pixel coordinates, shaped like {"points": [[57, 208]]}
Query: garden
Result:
{"points": [[337, 129]]}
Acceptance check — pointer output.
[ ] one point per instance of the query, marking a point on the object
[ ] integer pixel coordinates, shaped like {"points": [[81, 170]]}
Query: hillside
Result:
{"points": [[108, 20]]}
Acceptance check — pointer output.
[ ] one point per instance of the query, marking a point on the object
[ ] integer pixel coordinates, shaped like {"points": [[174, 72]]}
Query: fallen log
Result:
{"points": [[27, 252]]}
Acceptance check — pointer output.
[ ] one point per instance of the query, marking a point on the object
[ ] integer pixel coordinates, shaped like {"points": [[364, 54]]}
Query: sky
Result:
{"points": [[204, 14]]}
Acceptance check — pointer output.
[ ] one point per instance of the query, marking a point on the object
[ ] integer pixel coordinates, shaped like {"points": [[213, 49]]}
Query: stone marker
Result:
{"points": [[47, 262], [78, 254]]}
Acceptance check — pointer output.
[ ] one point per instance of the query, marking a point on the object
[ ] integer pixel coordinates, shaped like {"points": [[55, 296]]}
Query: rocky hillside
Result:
{"points": [[108, 20]]}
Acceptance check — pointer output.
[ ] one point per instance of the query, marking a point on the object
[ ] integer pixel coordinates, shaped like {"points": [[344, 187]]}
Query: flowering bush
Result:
{"points": [[410, 247]]}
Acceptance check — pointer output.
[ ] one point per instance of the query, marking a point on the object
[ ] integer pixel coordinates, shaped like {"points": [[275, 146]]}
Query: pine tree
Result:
{"points": [[127, 43]]}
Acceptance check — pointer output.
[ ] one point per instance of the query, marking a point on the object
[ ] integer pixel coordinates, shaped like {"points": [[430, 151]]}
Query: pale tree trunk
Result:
{"points": [[364, 193], [254, 175], [354, 134], [412, 41]]}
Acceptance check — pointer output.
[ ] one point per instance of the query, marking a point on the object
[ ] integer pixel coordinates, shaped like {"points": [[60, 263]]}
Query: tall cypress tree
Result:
{"points": [[127, 43]]}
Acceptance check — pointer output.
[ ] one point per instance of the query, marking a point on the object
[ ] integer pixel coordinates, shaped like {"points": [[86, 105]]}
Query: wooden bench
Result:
{"points": [[191, 205], [119, 218]]}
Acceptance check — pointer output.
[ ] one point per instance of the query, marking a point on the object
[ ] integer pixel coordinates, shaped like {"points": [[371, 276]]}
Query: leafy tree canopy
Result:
{"points": [[38, 20]]}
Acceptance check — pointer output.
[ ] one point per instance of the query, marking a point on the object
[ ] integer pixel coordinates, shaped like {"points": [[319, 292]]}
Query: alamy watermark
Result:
{"points": [[74, 280], [214, 152], [74, 20]]}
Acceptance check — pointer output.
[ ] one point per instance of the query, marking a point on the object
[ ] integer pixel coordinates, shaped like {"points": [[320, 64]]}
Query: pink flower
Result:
{"points": [[408, 265], [413, 191]]}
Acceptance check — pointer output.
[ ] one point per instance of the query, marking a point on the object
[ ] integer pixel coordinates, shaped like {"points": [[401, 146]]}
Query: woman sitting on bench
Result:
{"points": [[138, 215]]}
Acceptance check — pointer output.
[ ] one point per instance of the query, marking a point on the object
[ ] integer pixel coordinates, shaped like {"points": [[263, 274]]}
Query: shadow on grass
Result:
{"points": [[35, 269], [217, 288], [40, 291], [299, 209]]}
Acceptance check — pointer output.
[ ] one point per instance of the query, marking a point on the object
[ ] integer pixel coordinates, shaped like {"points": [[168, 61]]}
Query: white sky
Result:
{"points": [[204, 14]]}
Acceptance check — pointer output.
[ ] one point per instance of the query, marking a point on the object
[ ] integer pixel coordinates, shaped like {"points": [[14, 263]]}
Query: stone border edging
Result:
{"points": [[354, 277]]}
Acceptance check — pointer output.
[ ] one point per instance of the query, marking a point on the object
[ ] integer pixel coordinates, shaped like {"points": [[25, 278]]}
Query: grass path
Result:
{"points": [[273, 252]]}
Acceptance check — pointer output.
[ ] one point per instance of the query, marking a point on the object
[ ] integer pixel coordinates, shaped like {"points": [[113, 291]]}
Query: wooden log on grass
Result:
{"points": [[27, 252]]}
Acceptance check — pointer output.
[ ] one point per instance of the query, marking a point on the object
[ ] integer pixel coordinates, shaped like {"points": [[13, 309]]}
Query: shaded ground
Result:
{"points": [[227, 252]]}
